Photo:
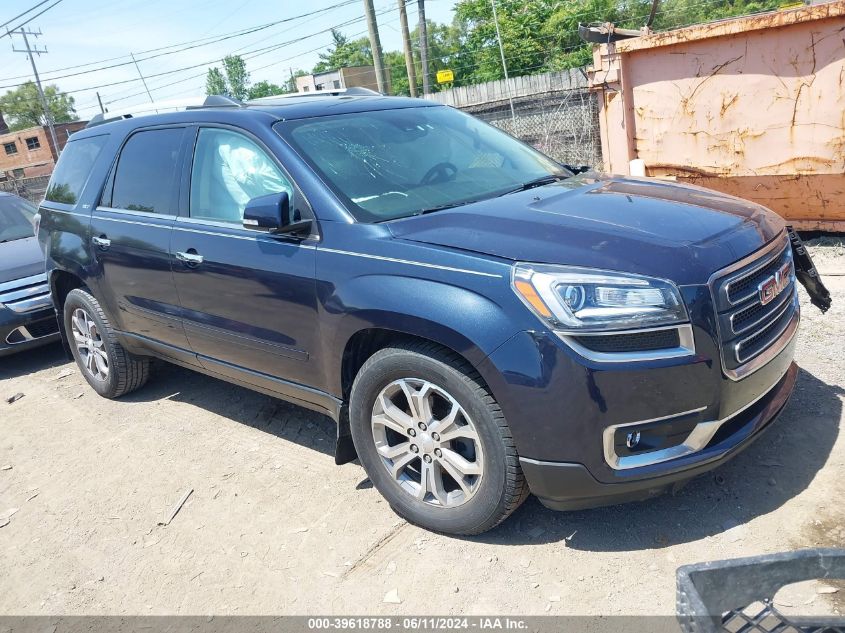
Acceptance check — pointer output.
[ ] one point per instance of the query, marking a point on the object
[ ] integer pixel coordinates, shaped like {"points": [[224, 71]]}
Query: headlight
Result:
{"points": [[571, 298]]}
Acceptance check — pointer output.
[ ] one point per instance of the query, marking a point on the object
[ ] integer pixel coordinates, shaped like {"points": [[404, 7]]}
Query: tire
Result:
{"points": [[111, 370], [443, 386]]}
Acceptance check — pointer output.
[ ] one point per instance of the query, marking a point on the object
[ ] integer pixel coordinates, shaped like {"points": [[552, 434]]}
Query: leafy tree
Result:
{"points": [[266, 89], [344, 52], [232, 81], [290, 83], [215, 82], [22, 108], [237, 78]]}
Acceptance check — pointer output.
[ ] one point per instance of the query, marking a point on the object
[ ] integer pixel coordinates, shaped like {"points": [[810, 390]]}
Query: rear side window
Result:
{"points": [[73, 168], [146, 177]]}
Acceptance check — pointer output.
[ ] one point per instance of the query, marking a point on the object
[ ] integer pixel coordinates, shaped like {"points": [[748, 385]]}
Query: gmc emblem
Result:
{"points": [[774, 285]]}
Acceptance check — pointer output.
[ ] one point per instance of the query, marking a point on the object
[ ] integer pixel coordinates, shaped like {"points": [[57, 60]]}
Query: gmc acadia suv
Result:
{"points": [[479, 321]]}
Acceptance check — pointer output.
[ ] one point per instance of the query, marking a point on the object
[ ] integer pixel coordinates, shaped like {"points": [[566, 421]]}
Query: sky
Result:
{"points": [[81, 35]]}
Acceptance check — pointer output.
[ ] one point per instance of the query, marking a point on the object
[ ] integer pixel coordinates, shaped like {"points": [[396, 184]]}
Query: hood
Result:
{"points": [[20, 258], [678, 232]]}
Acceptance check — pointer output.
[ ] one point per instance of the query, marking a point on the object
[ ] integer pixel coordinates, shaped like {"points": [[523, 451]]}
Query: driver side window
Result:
{"points": [[228, 171]]}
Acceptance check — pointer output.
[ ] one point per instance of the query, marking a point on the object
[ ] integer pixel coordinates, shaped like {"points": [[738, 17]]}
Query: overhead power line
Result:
{"points": [[32, 8], [187, 46], [29, 19]]}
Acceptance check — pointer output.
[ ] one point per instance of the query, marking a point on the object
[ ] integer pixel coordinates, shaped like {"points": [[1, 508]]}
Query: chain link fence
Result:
{"points": [[563, 125], [31, 189], [555, 112]]}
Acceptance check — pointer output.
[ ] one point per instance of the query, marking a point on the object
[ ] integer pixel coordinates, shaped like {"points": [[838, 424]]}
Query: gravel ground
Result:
{"points": [[274, 527]]}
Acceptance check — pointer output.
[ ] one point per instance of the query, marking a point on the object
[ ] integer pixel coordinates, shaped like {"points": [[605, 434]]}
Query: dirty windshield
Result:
{"points": [[395, 163]]}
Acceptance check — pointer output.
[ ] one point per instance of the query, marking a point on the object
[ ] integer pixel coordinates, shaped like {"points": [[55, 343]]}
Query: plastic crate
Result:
{"points": [[736, 595]]}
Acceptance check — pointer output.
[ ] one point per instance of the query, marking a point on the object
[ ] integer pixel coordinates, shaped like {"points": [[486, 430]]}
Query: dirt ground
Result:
{"points": [[274, 527]]}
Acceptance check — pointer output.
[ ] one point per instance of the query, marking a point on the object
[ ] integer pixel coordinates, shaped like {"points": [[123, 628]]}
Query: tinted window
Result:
{"points": [[147, 172], [73, 168], [15, 218], [230, 170]]}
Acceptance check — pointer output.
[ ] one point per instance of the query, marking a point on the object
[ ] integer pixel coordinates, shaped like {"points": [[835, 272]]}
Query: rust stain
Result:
{"points": [[727, 104]]}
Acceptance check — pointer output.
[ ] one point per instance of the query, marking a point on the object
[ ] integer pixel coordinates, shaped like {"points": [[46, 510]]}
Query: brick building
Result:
{"points": [[30, 152]]}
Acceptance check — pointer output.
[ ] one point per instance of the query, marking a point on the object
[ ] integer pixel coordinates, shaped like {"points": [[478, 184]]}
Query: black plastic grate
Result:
{"points": [[634, 342], [43, 328]]}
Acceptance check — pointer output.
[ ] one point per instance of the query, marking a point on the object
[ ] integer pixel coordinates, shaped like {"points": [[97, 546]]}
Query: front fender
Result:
{"points": [[463, 320]]}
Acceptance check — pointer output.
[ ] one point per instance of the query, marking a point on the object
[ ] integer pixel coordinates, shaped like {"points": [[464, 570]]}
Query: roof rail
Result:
{"points": [[356, 91], [174, 105], [219, 101]]}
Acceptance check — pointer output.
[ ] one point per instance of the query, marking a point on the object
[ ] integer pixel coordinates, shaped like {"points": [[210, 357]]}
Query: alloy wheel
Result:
{"points": [[90, 345], [427, 442]]}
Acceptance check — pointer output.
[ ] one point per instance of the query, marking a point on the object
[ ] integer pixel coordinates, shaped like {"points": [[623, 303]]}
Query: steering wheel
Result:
{"points": [[441, 172]]}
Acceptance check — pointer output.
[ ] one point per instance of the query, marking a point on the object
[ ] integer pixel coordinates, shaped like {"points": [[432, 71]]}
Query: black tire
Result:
{"points": [[126, 372], [501, 489]]}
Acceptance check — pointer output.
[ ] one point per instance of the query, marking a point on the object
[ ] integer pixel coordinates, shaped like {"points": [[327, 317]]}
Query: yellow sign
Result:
{"points": [[445, 76]]}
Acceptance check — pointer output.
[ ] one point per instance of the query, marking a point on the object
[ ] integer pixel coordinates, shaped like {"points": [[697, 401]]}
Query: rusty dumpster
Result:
{"points": [[751, 106]]}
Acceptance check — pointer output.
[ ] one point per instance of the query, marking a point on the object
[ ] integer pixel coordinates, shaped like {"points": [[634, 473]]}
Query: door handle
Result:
{"points": [[102, 241], [190, 258]]}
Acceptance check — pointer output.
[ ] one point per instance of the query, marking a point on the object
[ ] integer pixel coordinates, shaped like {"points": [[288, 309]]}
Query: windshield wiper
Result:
{"points": [[440, 207], [537, 182]]}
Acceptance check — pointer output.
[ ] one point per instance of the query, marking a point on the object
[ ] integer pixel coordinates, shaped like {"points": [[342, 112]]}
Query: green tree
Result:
{"points": [[22, 108], [344, 52], [215, 82], [266, 89], [232, 81]]}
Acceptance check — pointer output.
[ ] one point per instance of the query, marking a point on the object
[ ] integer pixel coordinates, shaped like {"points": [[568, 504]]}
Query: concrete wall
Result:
{"points": [[753, 106]]}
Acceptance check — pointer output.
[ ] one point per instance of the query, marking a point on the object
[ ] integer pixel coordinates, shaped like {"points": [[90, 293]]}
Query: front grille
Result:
{"points": [[27, 294], [634, 342], [748, 327]]}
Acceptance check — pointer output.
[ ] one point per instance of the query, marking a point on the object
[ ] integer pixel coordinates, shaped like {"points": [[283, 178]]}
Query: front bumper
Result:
{"points": [[569, 415], [570, 486]]}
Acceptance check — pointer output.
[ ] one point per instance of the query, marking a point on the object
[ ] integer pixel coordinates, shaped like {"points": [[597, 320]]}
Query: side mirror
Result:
{"points": [[271, 213]]}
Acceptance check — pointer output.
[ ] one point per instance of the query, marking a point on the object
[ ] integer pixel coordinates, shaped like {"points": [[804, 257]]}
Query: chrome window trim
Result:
{"points": [[698, 438], [241, 232], [685, 348]]}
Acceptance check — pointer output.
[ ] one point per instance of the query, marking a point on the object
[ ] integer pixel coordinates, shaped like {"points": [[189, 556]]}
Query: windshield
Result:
{"points": [[391, 164], [15, 218]]}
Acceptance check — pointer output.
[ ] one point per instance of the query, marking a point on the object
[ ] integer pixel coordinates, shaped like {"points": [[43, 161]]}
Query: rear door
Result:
{"points": [[130, 234], [248, 298]]}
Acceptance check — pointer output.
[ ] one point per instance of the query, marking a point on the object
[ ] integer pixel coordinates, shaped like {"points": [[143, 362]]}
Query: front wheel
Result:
{"points": [[109, 368], [434, 441]]}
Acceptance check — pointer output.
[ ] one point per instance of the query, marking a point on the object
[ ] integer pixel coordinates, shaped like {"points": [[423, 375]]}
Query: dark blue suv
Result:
{"points": [[479, 321]]}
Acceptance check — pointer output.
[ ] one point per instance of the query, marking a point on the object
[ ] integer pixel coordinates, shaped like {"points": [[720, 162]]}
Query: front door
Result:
{"points": [[130, 234], [248, 298]]}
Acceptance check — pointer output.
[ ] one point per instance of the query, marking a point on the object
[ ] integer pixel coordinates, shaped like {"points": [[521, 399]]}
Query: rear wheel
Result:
{"points": [[108, 367], [433, 440]]}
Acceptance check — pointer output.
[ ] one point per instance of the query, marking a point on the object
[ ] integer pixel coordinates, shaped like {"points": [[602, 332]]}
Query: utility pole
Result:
{"points": [[30, 53], [502, 52], [100, 101], [143, 81], [423, 47], [375, 45], [406, 44]]}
